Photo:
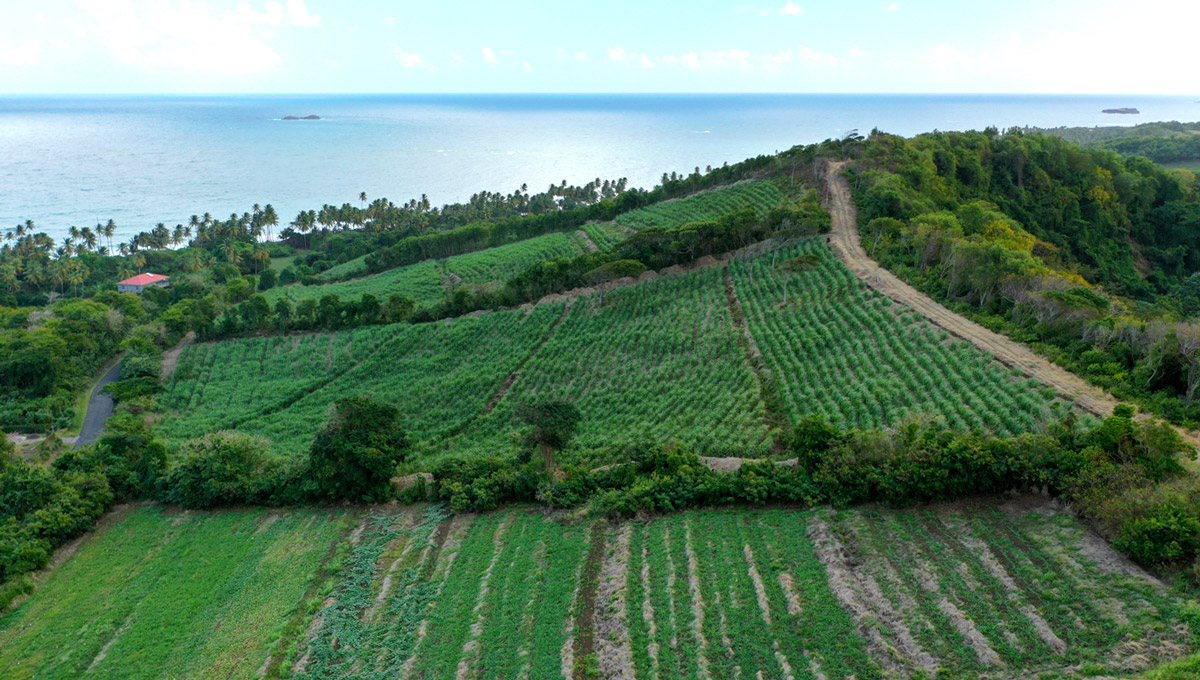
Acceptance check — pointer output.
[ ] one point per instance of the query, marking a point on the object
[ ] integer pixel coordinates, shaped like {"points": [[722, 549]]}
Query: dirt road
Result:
{"points": [[845, 244]]}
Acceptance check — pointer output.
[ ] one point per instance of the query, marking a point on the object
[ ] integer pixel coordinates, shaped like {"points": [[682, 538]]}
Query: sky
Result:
{"points": [[434, 46]]}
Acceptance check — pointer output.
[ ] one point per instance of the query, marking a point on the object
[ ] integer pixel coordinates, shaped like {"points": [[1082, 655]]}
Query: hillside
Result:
{"points": [[706, 436], [654, 360], [998, 591]]}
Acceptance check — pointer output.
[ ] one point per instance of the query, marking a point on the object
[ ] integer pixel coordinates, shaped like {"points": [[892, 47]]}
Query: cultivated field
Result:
{"points": [[708, 205], [440, 376], [657, 361], [839, 349], [160, 594], [971, 591], [429, 281]]}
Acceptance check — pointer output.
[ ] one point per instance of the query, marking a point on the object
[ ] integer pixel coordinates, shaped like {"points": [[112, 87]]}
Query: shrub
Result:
{"points": [[354, 456], [1168, 535], [219, 469]]}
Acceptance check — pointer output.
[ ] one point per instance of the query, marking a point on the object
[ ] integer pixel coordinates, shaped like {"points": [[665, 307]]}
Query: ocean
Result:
{"points": [[139, 160]]}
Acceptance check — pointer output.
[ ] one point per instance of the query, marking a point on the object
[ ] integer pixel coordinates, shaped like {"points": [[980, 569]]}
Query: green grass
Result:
{"points": [[708, 205], [164, 595], [347, 269], [281, 263]]}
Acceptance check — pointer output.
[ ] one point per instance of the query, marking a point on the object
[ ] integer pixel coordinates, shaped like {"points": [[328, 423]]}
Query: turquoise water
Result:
{"points": [[141, 160]]}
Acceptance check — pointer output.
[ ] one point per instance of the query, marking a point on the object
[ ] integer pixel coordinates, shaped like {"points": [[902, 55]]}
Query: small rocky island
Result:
{"points": [[304, 118], [1123, 110]]}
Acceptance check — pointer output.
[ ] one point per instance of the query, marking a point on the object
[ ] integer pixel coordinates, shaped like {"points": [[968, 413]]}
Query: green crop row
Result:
{"points": [[838, 349], [709, 205], [429, 281], [722, 594], [652, 362]]}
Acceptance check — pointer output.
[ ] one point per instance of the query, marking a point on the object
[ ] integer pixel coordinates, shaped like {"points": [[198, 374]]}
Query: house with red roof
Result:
{"points": [[138, 283]]}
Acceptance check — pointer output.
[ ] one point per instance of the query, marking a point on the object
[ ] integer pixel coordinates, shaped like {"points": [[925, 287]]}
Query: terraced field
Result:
{"points": [[708, 205], [983, 591], [428, 282], [657, 361]]}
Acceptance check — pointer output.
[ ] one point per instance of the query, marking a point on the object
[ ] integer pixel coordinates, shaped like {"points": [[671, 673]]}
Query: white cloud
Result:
{"points": [[299, 15], [564, 55], [23, 53], [895, 6], [528, 66], [407, 59], [457, 59], [790, 8], [174, 36], [616, 53], [945, 57], [387, 21], [857, 51], [488, 55]]}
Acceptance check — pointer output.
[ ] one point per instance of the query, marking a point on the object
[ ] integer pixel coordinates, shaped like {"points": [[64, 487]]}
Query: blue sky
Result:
{"points": [[162, 46]]}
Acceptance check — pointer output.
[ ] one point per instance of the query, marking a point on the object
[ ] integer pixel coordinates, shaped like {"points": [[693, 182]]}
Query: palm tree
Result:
{"points": [[362, 198], [270, 219], [231, 255], [89, 238], [260, 255], [110, 228]]}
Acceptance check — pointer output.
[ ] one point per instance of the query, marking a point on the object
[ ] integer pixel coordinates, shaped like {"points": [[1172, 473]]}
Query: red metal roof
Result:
{"points": [[143, 279]]}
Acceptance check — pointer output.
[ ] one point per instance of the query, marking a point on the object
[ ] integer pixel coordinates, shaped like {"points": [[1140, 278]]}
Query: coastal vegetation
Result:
{"points": [[566, 362]]}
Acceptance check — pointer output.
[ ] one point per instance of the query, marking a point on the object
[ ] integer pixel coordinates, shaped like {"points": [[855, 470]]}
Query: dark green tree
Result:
{"points": [[554, 425], [355, 454]]}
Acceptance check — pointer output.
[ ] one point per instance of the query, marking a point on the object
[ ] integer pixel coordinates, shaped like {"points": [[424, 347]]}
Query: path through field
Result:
{"points": [[845, 244]]}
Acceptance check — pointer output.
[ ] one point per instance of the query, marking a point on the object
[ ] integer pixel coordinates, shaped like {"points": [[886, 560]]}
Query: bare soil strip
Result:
{"points": [[648, 611], [516, 373], [844, 241], [446, 542], [926, 574], [760, 593], [108, 645], [529, 620], [998, 572], [860, 595], [585, 614], [171, 356], [614, 650], [589, 246], [693, 567]]}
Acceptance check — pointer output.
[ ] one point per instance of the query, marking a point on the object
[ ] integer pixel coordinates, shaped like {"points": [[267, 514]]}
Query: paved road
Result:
{"points": [[99, 408]]}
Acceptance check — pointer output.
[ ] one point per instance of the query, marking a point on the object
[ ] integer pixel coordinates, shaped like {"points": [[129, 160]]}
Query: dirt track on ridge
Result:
{"points": [[845, 244]]}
